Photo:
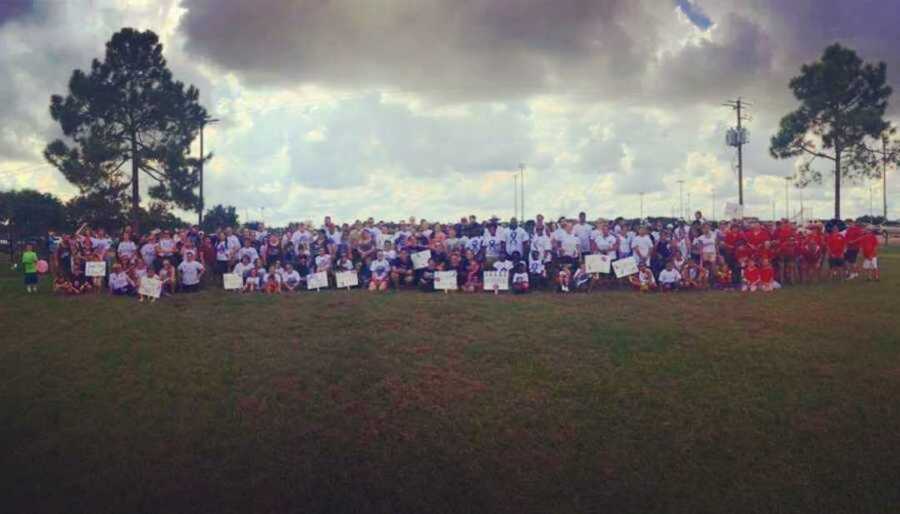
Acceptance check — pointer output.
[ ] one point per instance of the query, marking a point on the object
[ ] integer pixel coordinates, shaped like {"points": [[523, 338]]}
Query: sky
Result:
{"points": [[397, 108]]}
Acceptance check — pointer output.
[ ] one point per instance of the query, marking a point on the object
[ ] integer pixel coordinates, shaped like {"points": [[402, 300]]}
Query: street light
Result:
{"points": [[202, 159]]}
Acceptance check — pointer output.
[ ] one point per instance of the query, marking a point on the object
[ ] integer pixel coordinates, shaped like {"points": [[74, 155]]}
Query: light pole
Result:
{"points": [[714, 205], [681, 198], [202, 159], [522, 201], [642, 205], [787, 198], [516, 194]]}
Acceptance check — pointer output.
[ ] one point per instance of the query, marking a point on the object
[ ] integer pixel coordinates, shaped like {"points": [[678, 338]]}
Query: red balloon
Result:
{"points": [[42, 266]]}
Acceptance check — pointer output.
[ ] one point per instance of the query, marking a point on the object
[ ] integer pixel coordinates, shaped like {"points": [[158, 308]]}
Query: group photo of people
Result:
{"points": [[539, 255]]}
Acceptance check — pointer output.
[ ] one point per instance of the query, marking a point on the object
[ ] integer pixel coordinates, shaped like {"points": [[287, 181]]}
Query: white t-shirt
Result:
{"points": [[606, 244], [323, 262], [190, 272], [583, 232], [474, 244], [234, 244], [166, 246], [625, 243], [380, 269], [292, 278], [506, 265], [536, 266], [642, 246], [492, 245], [543, 245], [520, 278], [569, 244], [222, 253], [148, 252], [248, 251], [241, 269], [515, 240], [669, 276], [707, 243], [127, 249], [118, 281], [100, 245], [300, 237]]}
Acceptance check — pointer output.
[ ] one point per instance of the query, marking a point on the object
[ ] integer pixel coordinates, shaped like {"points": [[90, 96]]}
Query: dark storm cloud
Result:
{"points": [[467, 49], [12, 9]]}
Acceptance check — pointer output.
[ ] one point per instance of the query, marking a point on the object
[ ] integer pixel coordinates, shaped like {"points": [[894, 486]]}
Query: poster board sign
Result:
{"points": [[346, 279], [232, 281], [151, 287], [496, 281], [598, 263], [445, 280], [625, 267], [733, 211], [95, 269], [420, 259], [317, 280]]}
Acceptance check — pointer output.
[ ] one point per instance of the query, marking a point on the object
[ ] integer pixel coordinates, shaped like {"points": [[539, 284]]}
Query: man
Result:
{"points": [[582, 231], [853, 234], [837, 249], [516, 239], [492, 244]]}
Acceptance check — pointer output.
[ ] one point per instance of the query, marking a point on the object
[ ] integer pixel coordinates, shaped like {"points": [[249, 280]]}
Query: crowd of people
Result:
{"points": [[744, 255]]}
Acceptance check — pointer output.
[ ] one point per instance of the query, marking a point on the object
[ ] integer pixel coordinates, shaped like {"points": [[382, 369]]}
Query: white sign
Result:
{"points": [[597, 263], [420, 259], [496, 281], [232, 282], [625, 267], [317, 280], [733, 211], [151, 287], [346, 279], [445, 280], [95, 268]]}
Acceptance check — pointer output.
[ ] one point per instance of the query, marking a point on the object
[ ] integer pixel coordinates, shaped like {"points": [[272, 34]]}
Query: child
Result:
{"points": [[837, 248], [723, 274], [251, 283], [120, 284], [564, 278], [167, 277], [291, 279], [767, 277], [644, 280], [750, 276], [273, 286], [29, 266], [691, 275], [582, 279], [473, 273], [520, 279], [80, 283], [381, 273], [242, 268], [537, 271], [868, 243], [61, 285], [669, 278], [191, 273], [150, 273]]}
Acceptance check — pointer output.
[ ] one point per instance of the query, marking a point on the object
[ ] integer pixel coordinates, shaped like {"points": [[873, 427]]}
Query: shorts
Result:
{"points": [[709, 257], [31, 279], [221, 267], [835, 262], [870, 263], [192, 288], [851, 255]]}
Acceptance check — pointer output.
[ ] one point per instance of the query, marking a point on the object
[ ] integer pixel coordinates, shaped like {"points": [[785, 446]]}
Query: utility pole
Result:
{"points": [[516, 193], [522, 201], [884, 159], [787, 198], [202, 159], [738, 139], [681, 198]]}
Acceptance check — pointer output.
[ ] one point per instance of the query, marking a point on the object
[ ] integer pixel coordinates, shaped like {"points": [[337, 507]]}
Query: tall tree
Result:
{"points": [[28, 213], [220, 216], [128, 109], [842, 103]]}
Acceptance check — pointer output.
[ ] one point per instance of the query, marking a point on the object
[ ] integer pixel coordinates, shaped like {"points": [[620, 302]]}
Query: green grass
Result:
{"points": [[354, 402]]}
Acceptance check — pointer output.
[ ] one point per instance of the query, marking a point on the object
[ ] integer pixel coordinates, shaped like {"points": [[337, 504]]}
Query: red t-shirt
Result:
{"points": [[869, 245], [767, 274], [756, 238], [751, 275], [732, 238], [852, 235], [743, 252], [837, 245], [785, 232]]}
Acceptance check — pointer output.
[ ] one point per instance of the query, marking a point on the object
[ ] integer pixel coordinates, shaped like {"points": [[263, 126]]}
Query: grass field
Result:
{"points": [[355, 402]]}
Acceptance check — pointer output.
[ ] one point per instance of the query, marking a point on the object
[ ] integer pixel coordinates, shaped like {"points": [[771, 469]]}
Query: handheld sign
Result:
{"points": [[625, 267], [346, 279], [597, 263], [232, 282], [151, 287], [496, 281], [420, 259], [317, 280], [95, 269], [445, 280]]}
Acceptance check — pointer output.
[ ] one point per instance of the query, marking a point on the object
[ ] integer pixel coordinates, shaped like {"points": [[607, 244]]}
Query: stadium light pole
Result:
{"points": [[202, 158], [522, 201], [516, 194]]}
